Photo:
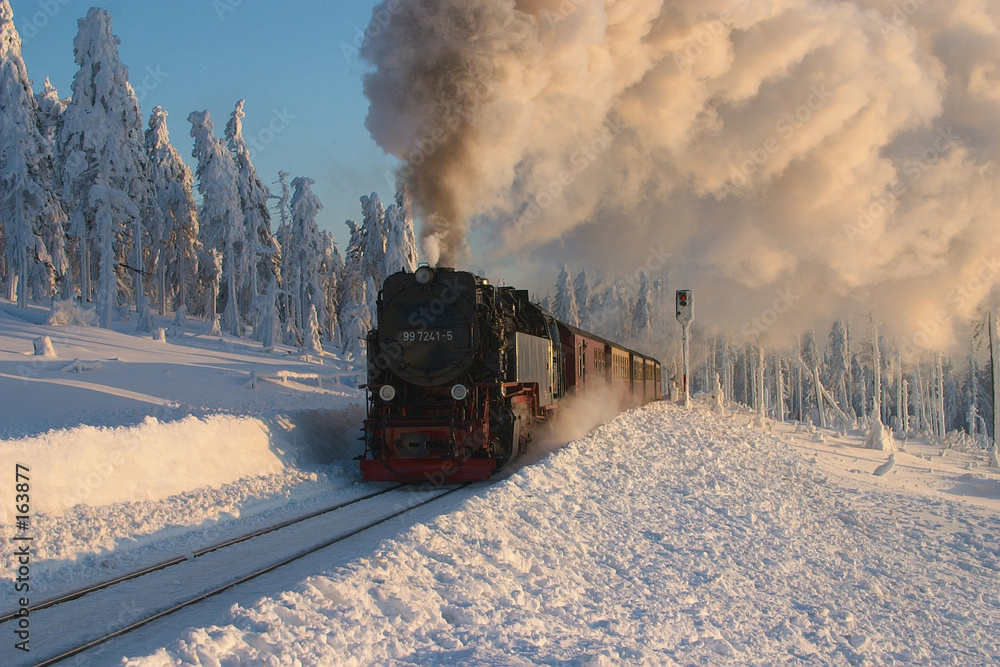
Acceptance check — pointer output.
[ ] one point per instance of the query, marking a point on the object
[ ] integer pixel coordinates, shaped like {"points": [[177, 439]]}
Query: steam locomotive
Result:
{"points": [[460, 372]]}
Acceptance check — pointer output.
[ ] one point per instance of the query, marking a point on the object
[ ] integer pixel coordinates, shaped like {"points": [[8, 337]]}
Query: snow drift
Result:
{"points": [[152, 461], [664, 537]]}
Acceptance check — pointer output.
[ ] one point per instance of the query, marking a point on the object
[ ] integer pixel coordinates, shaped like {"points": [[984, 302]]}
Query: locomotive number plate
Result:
{"points": [[426, 336]]}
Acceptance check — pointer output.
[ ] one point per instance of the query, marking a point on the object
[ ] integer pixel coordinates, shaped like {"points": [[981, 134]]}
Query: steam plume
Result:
{"points": [[842, 150]]}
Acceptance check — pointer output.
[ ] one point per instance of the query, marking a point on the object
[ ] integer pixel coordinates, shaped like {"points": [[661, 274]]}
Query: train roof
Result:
{"points": [[581, 332]]}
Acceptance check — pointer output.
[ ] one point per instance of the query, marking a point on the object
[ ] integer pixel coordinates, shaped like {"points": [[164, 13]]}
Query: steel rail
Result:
{"points": [[149, 619]]}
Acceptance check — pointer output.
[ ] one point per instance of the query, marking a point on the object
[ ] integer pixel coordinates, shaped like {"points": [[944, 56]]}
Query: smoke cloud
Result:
{"points": [[842, 153]]}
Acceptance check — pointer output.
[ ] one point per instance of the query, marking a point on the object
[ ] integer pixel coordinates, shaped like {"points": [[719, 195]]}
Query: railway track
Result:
{"points": [[160, 589], [79, 593]]}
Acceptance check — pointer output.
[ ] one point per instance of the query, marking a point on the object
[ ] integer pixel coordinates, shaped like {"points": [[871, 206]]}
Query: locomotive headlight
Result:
{"points": [[387, 392], [459, 392], [424, 275]]}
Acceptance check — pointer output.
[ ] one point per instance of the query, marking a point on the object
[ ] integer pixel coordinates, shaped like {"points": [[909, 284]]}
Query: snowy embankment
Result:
{"points": [[663, 537], [140, 449]]}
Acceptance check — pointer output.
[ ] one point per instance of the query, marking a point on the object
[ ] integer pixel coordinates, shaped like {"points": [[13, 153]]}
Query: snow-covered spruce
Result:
{"points": [[175, 253], [258, 261], [222, 225], [105, 170], [31, 215]]}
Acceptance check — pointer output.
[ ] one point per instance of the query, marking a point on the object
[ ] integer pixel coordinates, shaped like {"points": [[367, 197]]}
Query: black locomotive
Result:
{"points": [[461, 371]]}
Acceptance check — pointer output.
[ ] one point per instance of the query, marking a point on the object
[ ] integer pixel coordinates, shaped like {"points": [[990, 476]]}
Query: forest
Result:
{"points": [[99, 210], [847, 379]]}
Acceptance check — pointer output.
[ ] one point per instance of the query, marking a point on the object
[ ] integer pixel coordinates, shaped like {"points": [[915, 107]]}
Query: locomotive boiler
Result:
{"points": [[460, 372]]}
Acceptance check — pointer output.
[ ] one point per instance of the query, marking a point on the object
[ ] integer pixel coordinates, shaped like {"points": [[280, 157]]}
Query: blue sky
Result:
{"points": [[293, 62]]}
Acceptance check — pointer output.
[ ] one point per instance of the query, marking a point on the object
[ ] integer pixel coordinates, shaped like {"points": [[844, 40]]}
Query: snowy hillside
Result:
{"points": [[662, 537]]}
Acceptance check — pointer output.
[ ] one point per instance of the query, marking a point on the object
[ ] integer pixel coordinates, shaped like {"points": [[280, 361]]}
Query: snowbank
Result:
{"points": [[664, 537], [105, 465]]}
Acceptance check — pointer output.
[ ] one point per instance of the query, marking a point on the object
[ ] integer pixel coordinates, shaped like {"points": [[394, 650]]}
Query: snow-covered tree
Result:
{"points": [[311, 339], [221, 218], [335, 272], [209, 279], [53, 226], [176, 255], [112, 212], [50, 111], [581, 291], [971, 394], [371, 292], [308, 249], [269, 319], [879, 437], [838, 364], [355, 323], [373, 235], [401, 243], [31, 216], [283, 208], [258, 253], [641, 312], [565, 300], [545, 302], [105, 172]]}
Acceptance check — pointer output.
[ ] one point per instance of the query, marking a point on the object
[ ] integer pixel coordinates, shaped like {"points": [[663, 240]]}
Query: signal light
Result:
{"points": [[684, 309], [459, 392], [387, 392]]}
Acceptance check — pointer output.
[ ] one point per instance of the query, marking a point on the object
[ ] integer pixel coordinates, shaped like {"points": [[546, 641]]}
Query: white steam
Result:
{"points": [[577, 416], [431, 245], [845, 151]]}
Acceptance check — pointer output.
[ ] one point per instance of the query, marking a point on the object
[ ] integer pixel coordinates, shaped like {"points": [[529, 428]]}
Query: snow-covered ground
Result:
{"points": [[140, 449], [662, 537]]}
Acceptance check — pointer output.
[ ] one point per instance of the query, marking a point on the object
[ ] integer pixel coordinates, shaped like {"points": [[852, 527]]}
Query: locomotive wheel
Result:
{"points": [[505, 453], [504, 446]]}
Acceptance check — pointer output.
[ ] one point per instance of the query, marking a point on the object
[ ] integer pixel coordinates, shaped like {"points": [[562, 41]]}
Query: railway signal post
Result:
{"points": [[685, 315]]}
